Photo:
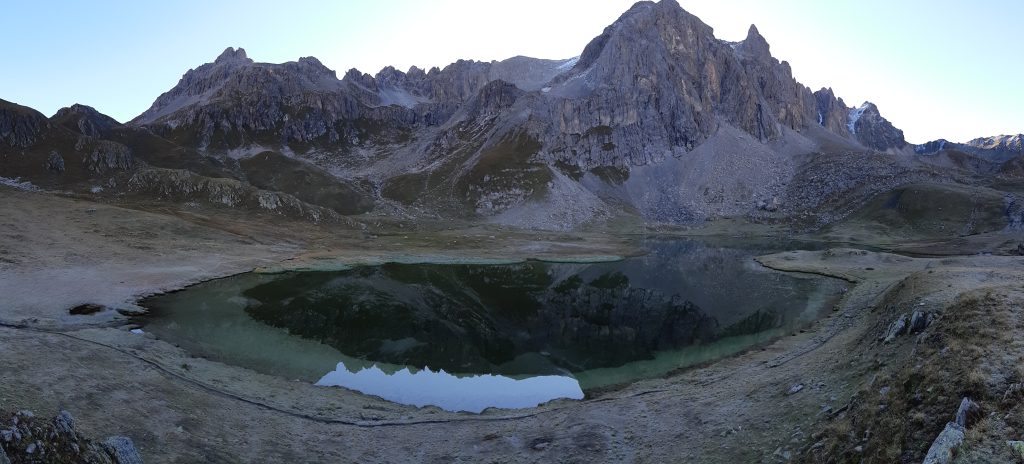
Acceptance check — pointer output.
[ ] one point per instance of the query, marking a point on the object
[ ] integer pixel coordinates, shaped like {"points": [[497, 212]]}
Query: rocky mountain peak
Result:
{"points": [[755, 45], [390, 75], [999, 149], [85, 120], [311, 68], [358, 77], [233, 55], [868, 126], [20, 126], [416, 73], [78, 109], [641, 19], [832, 112]]}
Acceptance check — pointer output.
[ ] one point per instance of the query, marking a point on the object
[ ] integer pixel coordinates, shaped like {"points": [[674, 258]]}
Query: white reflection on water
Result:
{"points": [[471, 393]]}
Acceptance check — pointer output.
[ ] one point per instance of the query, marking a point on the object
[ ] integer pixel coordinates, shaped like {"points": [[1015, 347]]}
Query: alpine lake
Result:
{"points": [[466, 337]]}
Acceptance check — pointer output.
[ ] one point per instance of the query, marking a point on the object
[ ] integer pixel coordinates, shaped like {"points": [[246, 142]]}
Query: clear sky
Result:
{"points": [[935, 68]]}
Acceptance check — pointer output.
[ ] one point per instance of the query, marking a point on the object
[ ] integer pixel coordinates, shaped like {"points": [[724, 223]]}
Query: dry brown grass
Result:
{"points": [[955, 357]]}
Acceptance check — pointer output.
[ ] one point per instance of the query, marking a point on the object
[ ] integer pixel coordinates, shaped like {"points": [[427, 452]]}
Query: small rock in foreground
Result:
{"points": [[945, 445]]}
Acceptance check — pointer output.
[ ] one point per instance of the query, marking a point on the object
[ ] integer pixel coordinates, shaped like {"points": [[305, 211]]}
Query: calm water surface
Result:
{"points": [[468, 337]]}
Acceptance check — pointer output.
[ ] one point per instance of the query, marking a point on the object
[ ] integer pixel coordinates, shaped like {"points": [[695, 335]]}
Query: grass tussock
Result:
{"points": [[968, 351]]}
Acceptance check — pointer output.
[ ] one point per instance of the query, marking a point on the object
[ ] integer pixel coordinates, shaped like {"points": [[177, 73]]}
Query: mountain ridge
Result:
{"points": [[656, 119]]}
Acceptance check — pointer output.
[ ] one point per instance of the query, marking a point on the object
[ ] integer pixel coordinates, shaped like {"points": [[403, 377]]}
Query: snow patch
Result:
{"points": [[137, 331], [568, 64], [246, 152], [399, 96], [18, 184], [855, 115]]}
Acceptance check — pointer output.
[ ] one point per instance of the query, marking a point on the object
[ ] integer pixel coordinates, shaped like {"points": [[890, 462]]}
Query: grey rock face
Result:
{"points": [[832, 112], [55, 162], [872, 130], [104, 155], [658, 83], [20, 126]]}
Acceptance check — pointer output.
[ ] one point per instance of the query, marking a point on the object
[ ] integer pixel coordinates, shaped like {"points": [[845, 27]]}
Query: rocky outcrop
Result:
{"points": [[832, 112], [101, 156], [20, 126], [868, 126], [185, 186], [26, 438], [55, 162]]}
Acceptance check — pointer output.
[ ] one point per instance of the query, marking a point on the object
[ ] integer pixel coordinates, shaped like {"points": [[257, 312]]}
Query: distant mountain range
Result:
{"points": [[656, 120]]}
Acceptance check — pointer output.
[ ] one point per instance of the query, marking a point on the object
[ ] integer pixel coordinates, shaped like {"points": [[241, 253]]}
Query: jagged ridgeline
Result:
{"points": [[657, 119]]}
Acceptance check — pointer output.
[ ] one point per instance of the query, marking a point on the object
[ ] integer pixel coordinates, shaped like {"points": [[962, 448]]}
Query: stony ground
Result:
{"points": [[817, 395]]}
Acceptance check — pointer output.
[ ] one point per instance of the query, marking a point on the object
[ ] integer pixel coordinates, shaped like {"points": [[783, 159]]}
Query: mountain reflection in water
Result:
{"points": [[573, 326], [472, 393]]}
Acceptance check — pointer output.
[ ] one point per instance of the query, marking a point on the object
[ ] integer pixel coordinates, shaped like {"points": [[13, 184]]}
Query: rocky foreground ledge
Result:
{"points": [[24, 438]]}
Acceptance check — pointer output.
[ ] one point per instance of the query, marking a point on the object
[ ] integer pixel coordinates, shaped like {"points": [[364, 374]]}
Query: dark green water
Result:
{"points": [[511, 335]]}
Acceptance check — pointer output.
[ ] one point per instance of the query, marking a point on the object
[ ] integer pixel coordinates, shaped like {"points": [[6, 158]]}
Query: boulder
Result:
{"points": [[944, 447], [897, 328], [64, 423], [919, 321], [123, 450], [968, 413]]}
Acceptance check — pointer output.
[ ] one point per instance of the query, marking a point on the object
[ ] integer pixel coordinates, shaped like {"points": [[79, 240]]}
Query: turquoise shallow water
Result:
{"points": [[467, 337]]}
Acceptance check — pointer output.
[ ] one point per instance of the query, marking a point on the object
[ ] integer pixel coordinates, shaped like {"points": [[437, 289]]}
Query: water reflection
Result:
{"points": [[472, 393], [574, 326]]}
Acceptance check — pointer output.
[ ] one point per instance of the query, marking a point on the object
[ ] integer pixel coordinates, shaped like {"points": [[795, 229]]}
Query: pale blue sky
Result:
{"points": [[939, 68]]}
